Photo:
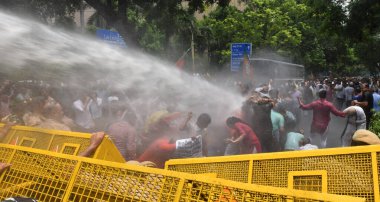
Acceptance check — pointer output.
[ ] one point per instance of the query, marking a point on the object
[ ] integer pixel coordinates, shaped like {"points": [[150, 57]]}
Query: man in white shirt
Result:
{"points": [[339, 95], [198, 128], [83, 116], [349, 93], [356, 119]]}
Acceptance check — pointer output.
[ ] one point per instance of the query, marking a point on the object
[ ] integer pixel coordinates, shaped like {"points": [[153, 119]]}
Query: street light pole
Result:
{"points": [[192, 51], [81, 11]]}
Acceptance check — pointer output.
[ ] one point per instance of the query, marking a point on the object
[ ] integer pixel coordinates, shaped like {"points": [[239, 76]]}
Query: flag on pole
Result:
{"points": [[181, 61]]}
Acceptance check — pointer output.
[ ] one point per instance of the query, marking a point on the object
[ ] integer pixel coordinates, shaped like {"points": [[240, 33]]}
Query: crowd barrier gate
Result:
{"points": [[352, 171], [61, 141], [53, 177]]}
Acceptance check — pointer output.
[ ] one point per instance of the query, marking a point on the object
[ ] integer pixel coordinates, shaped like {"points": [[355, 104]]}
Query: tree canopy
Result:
{"points": [[325, 36]]}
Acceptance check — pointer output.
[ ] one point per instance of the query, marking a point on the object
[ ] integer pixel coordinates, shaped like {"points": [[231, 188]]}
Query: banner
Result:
{"points": [[189, 148]]}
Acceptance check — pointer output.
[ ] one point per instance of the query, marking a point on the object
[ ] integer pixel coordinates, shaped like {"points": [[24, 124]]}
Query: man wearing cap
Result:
{"points": [[321, 117], [162, 138]]}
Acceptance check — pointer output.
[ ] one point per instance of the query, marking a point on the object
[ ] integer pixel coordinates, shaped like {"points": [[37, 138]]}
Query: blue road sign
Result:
{"points": [[111, 37], [238, 50]]}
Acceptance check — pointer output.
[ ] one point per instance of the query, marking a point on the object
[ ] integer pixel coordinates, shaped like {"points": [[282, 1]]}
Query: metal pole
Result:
{"points": [[192, 50], [82, 16]]}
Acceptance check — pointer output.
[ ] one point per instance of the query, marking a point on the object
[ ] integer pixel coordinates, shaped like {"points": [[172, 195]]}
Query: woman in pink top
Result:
{"points": [[247, 139]]}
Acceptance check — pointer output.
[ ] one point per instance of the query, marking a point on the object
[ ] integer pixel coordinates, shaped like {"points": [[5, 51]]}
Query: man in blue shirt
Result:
{"points": [[376, 100]]}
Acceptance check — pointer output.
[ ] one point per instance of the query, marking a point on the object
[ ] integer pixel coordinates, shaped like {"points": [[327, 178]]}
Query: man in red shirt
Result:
{"points": [[163, 144], [321, 116]]}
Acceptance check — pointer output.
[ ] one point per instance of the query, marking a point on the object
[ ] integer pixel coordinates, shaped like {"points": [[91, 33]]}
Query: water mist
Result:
{"points": [[77, 60]]}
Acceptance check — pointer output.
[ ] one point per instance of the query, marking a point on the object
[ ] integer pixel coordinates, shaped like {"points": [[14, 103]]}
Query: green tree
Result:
{"points": [[58, 12], [266, 24], [159, 14], [308, 32], [363, 28]]}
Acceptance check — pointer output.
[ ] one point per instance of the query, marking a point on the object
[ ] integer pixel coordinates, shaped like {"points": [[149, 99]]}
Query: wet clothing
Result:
{"points": [[367, 97], [321, 114], [83, 117], [376, 100], [194, 130], [321, 118], [123, 136], [262, 126], [159, 151], [96, 108], [293, 141], [339, 95], [277, 123], [308, 147], [348, 95], [250, 141]]}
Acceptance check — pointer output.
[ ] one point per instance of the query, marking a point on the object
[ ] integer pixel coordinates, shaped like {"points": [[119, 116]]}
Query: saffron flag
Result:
{"points": [[180, 64]]}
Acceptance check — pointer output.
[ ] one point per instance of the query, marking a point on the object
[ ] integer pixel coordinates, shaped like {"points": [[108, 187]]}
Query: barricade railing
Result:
{"points": [[345, 171], [61, 141], [49, 176]]}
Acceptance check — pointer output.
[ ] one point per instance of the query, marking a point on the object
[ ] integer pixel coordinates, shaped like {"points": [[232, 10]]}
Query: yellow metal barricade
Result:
{"points": [[53, 177], [347, 171], [61, 141]]}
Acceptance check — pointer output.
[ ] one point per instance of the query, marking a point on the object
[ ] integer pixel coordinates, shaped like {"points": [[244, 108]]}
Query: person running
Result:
{"points": [[321, 117], [247, 139]]}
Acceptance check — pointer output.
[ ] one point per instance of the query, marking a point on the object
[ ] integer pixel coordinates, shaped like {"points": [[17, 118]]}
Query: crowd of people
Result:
{"points": [[269, 119]]}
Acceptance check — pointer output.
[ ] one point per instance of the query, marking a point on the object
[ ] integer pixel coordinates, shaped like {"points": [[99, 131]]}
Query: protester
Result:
{"points": [[365, 101], [269, 113], [339, 95], [321, 117], [122, 133], [246, 139], [293, 141], [198, 128], [55, 119], [376, 101], [96, 110], [162, 138], [34, 116], [305, 144], [83, 116], [349, 93], [278, 123], [262, 122]]}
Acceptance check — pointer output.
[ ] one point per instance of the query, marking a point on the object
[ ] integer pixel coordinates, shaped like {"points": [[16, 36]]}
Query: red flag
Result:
{"points": [[181, 61]]}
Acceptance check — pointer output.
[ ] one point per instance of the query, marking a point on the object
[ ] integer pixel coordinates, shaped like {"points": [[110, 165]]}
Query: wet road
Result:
{"points": [[334, 131]]}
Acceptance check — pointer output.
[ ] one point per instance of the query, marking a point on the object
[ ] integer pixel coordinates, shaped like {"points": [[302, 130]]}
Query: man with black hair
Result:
{"points": [[349, 93], [198, 128], [122, 133], [339, 95], [365, 101], [321, 116]]}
